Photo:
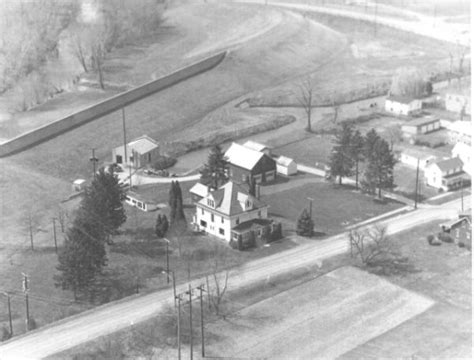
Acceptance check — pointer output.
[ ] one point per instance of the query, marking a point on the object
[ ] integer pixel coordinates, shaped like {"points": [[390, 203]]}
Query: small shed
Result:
{"points": [[139, 152], [141, 202], [78, 185], [286, 166]]}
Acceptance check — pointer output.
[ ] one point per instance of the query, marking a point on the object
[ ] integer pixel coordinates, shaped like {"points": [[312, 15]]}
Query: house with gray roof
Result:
{"points": [[402, 105], [446, 174], [232, 214], [139, 152]]}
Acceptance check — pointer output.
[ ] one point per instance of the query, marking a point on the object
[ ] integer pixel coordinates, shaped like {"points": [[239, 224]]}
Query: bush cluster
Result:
{"points": [[164, 162], [445, 237]]}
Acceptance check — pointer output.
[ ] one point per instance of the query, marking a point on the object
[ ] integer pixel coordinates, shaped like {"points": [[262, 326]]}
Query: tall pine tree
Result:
{"points": [[215, 171], [357, 150], [305, 225], [342, 161]]}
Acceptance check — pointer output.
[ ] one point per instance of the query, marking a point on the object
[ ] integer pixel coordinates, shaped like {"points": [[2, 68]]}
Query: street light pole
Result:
{"points": [[167, 259], [310, 207], [54, 234], [94, 160]]}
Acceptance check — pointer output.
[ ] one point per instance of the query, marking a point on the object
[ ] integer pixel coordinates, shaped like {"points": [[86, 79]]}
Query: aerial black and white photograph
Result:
{"points": [[235, 179]]}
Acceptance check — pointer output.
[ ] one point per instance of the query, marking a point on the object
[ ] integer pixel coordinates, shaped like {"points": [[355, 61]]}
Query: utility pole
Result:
{"points": [[201, 289], [25, 290], [179, 325], [416, 182], [126, 159], [174, 282], [9, 312], [167, 260], [54, 235], [94, 160], [208, 292], [190, 321]]}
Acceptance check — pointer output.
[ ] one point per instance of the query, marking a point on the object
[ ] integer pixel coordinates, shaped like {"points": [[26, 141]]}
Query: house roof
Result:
{"points": [[285, 161], [453, 223], [227, 199], [143, 144], [199, 190], [401, 99], [255, 146], [422, 121], [79, 181], [423, 153], [242, 156], [449, 164]]}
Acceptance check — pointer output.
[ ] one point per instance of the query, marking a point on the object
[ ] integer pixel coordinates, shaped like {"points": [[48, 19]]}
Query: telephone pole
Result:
{"points": [[201, 289], [30, 226], [54, 235], [416, 183], [9, 312], [190, 293], [310, 207], [94, 160], [179, 326], [25, 290]]}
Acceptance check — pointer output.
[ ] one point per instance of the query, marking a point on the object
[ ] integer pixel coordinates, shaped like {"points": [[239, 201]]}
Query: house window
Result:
{"points": [[259, 213], [237, 221], [221, 231], [149, 157], [222, 219], [118, 159], [210, 203], [203, 223], [247, 204], [212, 217], [244, 177]]}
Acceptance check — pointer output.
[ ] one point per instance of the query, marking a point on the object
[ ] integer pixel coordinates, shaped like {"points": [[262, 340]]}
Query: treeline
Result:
{"points": [[35, 32]]}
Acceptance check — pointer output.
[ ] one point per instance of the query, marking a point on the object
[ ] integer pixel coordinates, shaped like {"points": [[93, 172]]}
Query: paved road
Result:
{"points": [[107, 319], [425, 26]]}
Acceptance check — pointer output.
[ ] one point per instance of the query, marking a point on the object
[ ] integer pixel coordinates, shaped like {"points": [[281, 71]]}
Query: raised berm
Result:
{"points": [[323, 318]]}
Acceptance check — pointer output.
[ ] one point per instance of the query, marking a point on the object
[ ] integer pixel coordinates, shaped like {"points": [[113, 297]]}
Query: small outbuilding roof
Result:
{"points": [[242, 156], [285, 161], [143, 144], [255, 145], [79, 182], [199, 190], [422, 121]]}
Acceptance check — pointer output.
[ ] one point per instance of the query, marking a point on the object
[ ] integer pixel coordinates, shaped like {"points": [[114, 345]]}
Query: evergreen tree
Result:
{"points": [[161, 226], [172, 201], [379, 172], [342, 161], [102, 203], [176, 203], [214, 173], [371, 139], [357, 147], [305, 225], [82, 258]]}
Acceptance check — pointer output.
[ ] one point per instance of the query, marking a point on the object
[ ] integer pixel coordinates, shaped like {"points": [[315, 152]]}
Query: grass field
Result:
{"points": [[445, 330], [334, 207]]}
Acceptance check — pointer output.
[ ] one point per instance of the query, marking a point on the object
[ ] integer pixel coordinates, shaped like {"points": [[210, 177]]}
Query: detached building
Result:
{"points": [[140, 152], [245, 163], [446, 174], [258, 147], [286, 166], [421, 126], [402, 105], [414, 155], [231, 213]]}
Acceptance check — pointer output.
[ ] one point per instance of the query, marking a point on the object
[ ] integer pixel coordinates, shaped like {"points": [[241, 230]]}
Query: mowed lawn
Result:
{"points": [[334, 207]]}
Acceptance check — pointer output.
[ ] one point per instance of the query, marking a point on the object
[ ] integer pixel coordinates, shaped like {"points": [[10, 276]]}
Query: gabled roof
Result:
{"points": [[242, 156], [227, 199], [449, 164], [285, 161], [199, 190], [255, 146], [401, 99], [142, 144]]}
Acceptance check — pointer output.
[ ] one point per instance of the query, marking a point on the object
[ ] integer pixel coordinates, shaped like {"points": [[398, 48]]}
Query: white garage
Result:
{"points": [[286, 166]]}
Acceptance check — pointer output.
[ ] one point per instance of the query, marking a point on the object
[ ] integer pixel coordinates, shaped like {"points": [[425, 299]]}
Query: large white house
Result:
{"points": [[446, 174], [230, 213]]}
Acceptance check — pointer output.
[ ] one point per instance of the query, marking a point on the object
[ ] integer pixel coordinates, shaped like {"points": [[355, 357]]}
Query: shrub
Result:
{"points": [[430, 238], [5, 334], [32, 324], [164, 162], [445, 237], [234, 244]]}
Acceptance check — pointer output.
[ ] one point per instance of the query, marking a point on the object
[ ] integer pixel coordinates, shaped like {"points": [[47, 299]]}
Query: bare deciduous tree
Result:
{"points": [[306, 98], [370, 244], [220, 280]]}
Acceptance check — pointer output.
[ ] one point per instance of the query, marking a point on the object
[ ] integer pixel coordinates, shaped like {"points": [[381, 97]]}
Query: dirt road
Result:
{"points": [[107, 319]]}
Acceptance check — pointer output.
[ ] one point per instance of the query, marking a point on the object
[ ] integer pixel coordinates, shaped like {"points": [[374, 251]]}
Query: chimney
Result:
{"points": [[257, 191]]}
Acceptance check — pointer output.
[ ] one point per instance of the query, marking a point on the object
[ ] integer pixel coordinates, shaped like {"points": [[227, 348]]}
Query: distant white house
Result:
{"points": [[463, 151], [460, 131], [286, 166], [402, 105], [445, 174], [412, 156], [140, 152], [456, 102], [258, 147]]}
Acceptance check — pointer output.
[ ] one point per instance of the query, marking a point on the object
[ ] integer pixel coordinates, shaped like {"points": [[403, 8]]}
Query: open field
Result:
{"points": [[334, 207], [445, 330], [323, 318]]}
